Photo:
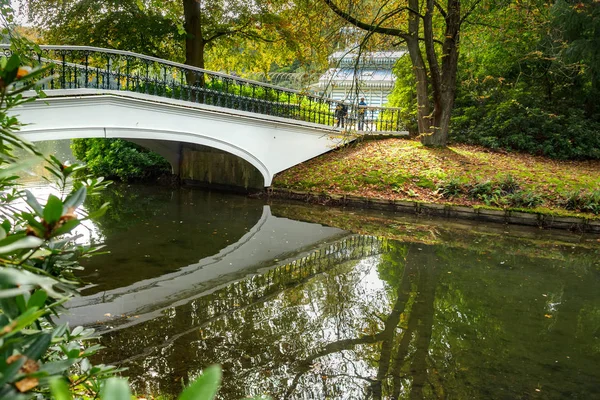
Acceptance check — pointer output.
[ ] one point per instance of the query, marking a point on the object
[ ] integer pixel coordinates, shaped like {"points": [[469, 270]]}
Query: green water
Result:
{"points": [[408, 308]]}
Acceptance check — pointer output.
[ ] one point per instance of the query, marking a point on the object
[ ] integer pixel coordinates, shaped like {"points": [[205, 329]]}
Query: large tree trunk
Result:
{"points": [[419, 69], [441, 122], [194, 42], [444, 81]]}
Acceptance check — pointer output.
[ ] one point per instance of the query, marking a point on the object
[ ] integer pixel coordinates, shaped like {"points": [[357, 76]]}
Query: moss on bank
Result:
{"points": [[395, 169]]}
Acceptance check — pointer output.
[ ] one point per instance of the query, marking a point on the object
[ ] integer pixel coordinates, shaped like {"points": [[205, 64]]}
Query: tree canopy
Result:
{"points": [[515, 75], [119, 24]]}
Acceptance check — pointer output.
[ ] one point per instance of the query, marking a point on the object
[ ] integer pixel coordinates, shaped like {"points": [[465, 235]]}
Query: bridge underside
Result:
{"points": [[203, 143], [206, 166]]}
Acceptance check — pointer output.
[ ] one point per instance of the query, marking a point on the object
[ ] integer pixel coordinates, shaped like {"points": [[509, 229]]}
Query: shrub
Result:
{"points": [[583, 201], [504, 193], [38, 256], [514, 119], [119, 159], [452, 188], [483, 190], [404, 95], [522, 198], [509, 185]]}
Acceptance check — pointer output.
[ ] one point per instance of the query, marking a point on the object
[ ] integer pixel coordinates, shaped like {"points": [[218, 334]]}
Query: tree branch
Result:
{"points": [[441, 9], [334, 347], [225, 32], [437, 41], [363, 25]]}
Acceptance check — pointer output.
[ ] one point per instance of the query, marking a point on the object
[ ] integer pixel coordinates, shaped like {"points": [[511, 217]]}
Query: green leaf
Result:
{"points": [[115, 389], [39, 347], [6, 225], [99, 212], [9, 392], [14, 292], [11, 69], [33, 203], [37, 299], [60, 389], [40, 253], [205, 387], [21, 279], [55, 161], [60, 330], [76, 199], [66, 227], [53, 209], [54, 172], [57, 367], [20, 301], [77, 330], [27, 242], [11, 371], [9, 305], [30, 218]]}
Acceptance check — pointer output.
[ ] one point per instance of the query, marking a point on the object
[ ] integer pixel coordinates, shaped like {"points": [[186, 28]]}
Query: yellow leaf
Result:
{"points": [[26, 384]]}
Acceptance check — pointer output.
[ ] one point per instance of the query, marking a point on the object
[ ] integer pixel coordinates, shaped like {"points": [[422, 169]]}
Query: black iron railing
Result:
{"points": [[80, 67]]}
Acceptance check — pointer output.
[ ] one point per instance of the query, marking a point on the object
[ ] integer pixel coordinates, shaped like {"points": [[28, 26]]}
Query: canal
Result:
{"points": [[311, 302]]}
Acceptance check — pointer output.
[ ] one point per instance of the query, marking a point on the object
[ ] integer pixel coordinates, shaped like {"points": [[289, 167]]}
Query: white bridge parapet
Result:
{"points": [[271, 144]]}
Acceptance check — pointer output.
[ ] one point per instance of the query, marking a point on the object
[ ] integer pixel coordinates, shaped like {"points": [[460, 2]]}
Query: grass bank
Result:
{"points": [[398, 169]]}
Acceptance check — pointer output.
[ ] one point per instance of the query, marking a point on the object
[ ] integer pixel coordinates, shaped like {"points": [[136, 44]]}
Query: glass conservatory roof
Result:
{"points": [[363, 77]]}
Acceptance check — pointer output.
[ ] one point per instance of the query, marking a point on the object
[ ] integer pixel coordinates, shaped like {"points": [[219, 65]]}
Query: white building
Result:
{"points": [[371, 77]]}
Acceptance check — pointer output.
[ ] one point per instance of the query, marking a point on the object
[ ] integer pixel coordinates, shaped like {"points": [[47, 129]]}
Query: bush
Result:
{"points": [[526, 199], [38, 256], [404, 95], [452, 188], [583, 201], [504, 193], [481, 189], [118, 159], [509, 184], [515, 120]]}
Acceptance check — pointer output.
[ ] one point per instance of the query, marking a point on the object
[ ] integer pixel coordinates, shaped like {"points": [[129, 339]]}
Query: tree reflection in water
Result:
{"points": [[382, 319]]}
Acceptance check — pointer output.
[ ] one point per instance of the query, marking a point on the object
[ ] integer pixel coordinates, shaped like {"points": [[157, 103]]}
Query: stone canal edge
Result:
{"points": [[538, 219]]}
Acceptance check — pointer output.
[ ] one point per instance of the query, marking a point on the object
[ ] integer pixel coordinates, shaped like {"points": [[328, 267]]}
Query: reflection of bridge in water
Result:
{"points": [[237, 296], [286, 244]]}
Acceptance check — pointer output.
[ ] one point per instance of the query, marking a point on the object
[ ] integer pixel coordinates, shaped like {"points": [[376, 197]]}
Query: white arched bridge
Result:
{"points": [[213, 128]]}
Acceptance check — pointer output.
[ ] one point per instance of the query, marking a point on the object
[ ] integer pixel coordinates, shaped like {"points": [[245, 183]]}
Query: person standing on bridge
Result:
{"points": [[362, 109], [341, 112]]}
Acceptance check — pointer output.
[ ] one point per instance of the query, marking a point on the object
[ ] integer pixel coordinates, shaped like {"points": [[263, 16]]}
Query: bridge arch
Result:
{"points": [[268, 145], [164, 143]]}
